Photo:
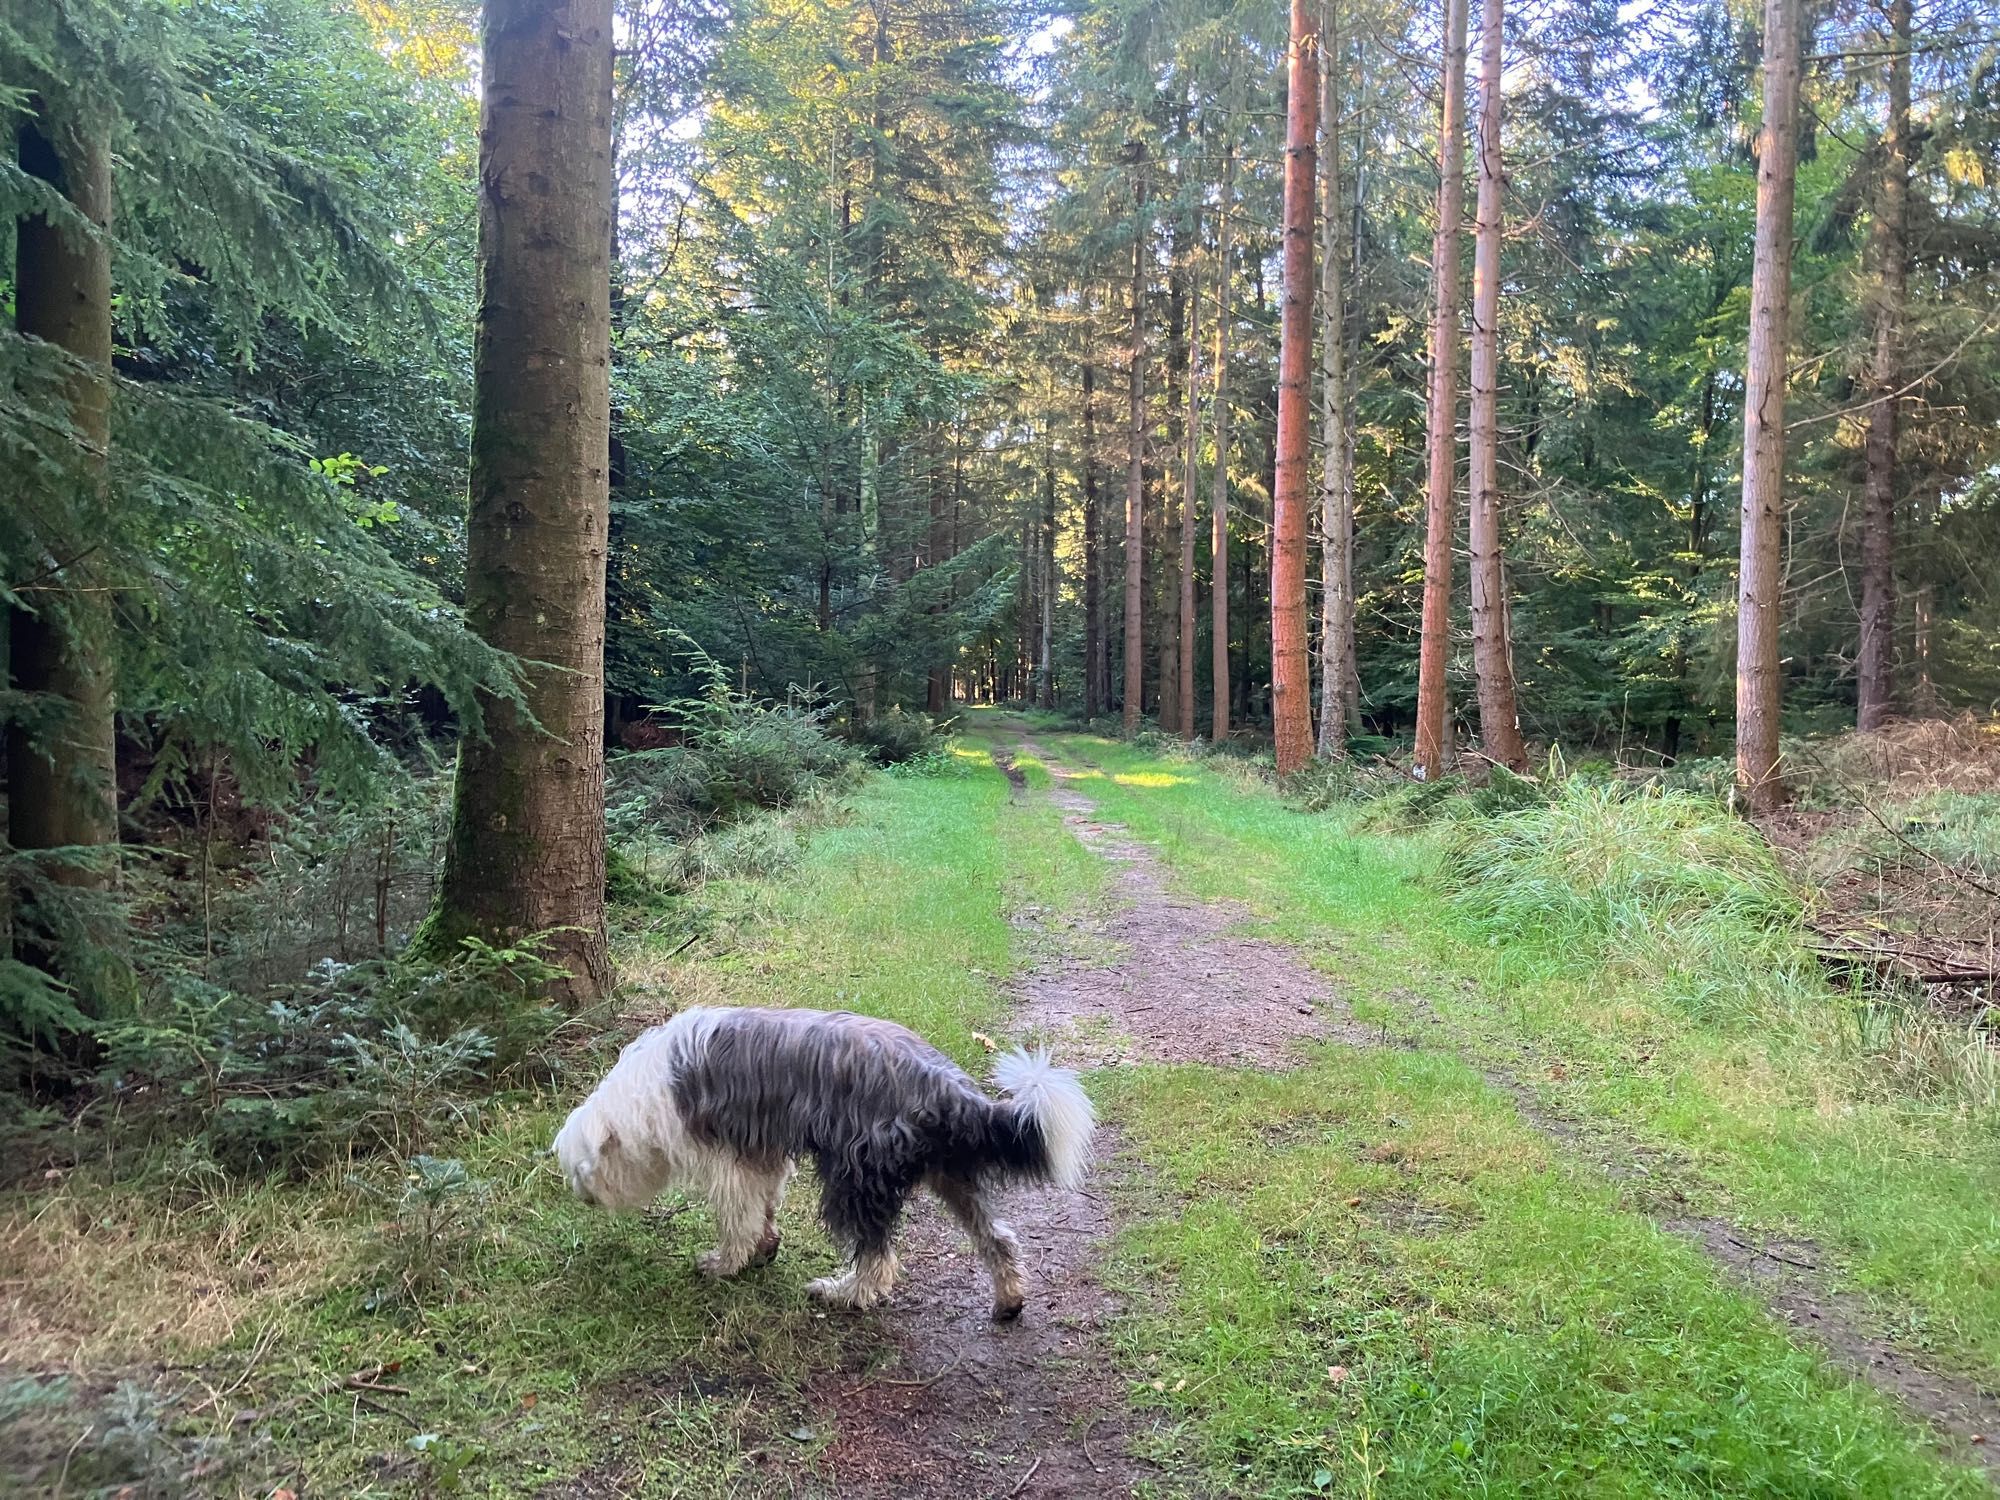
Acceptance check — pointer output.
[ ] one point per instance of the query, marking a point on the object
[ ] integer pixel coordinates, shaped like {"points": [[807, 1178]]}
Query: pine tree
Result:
{"points": [[1759, 777], [1874, 667], [1218, 505], [1291, 672], [526, 854], [1338, 709], [1135, 459], [1441, 440], [62, 791], [1492, 646]]}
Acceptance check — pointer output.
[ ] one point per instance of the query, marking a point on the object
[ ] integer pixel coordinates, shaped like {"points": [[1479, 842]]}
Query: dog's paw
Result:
{"points": [[1007, 1312], [844, 1291], [716, 1266], [766, 1251]]}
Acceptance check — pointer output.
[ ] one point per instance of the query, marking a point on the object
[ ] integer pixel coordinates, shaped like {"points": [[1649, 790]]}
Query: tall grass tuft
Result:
{"points": [[1658, 883]]}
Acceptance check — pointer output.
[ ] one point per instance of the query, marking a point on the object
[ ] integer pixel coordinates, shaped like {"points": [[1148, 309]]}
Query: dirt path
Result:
{"points": [[971, 1411], [1037, 1408]]}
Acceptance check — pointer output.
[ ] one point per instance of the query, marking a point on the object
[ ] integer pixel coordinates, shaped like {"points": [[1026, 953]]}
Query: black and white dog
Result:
{"points": [[727, 1101]]}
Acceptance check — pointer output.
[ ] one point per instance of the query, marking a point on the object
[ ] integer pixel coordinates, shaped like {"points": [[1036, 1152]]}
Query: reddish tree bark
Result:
{"points": [[1492, 644], [1434, 648], [1758, 776], [1291, 668]]}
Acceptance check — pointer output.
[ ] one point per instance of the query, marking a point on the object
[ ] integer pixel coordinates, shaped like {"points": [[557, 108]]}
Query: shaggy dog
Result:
{"points": [[726, 1102]]}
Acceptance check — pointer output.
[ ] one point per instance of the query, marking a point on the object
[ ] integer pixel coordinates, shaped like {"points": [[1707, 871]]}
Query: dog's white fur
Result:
{"points": [[630, 1138]]}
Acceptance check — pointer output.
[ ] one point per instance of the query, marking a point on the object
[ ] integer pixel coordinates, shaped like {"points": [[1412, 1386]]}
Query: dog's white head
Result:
{"points": [[600, 1166], [618, 1148]]}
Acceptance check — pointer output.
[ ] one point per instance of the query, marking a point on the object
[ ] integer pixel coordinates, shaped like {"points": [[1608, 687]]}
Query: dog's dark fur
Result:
{"points": [[876, 1108], [731, 1099]]}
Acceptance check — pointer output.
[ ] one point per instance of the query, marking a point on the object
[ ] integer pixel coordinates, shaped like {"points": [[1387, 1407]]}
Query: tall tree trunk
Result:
{"points": [[526, 852], [1094, 674], [1492, 645], [1434, 649], [1337, 707], [1218, 504], [1291, 666], [1135, 467], [1758, 775], [62, 788], [1045, 669], [1190, 488], [1875, 667]]}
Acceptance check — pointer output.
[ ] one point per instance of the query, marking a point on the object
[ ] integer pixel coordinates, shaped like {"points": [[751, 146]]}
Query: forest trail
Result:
{"points": [[1036, 1407], [1157, 976]]}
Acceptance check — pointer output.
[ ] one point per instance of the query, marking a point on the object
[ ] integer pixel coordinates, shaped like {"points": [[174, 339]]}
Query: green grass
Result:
{"points": [[1380, 1281], [1770, 1113], [1370, 1276], [538, 1335]]}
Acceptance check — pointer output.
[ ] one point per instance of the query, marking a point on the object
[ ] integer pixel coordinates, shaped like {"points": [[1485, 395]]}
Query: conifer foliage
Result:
{"points": [[872, 357]]}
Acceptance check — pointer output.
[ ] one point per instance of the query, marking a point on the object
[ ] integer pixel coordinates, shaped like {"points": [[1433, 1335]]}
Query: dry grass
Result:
{"points": [[99, 1277], [1911, 757]]}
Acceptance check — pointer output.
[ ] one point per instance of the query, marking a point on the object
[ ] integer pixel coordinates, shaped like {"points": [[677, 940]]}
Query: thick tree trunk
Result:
{"points": [[526, 853], [1135, 468], [1094, 674], [1492, 643], [1875, 664], [1337, 705], [1291, 665], [62, 785], [1758, 776], [1218, 505], [1434, 648]]}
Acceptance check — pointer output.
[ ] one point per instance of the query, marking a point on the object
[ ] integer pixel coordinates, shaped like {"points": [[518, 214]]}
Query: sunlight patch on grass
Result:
{"points": [[1150, 779]]}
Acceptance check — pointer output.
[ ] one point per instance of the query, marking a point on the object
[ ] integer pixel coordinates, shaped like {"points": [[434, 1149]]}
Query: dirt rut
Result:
{"points": [[968, 1410]]}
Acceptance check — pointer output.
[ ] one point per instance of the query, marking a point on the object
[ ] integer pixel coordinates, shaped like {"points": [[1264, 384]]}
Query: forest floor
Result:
{"points": [[1386, 1209]]}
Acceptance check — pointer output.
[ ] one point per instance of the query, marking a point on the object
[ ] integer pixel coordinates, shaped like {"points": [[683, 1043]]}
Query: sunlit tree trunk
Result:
{"points": [[1337, 707], [1291, 669], [1218, 507], [1760, 582], [1875, 664], [1434, 648], [1492, 646], [526, 852], [1135, 467], [62, 789]]}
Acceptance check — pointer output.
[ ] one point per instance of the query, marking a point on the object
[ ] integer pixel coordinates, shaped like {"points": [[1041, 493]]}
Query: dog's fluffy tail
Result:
{"points": [[1056, 1103]]}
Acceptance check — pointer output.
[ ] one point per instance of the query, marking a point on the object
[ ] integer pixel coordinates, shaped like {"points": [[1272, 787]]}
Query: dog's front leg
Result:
{"points": [[746, 1208]]}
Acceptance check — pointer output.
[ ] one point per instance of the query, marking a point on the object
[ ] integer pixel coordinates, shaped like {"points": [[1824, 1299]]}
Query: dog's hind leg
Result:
{"points": [[862, 1285], [996, 1243], [745, 1199]]}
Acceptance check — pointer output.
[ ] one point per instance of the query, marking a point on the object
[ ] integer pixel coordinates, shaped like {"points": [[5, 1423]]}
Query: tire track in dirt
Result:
{"points": [[969, 1410]]}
